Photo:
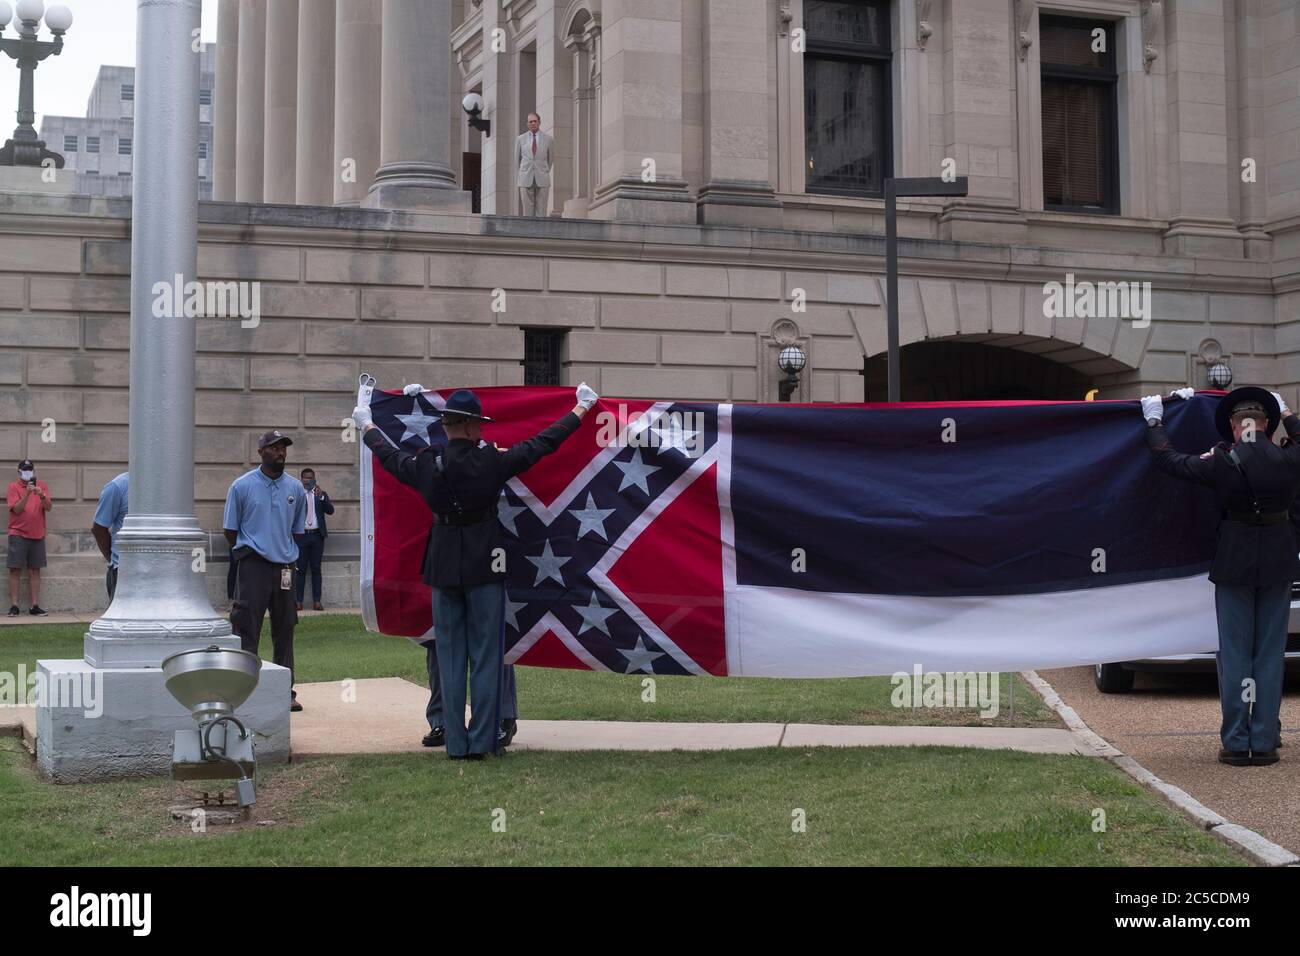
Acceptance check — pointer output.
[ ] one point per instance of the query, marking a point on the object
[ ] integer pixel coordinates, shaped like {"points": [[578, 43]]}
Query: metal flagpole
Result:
{"points": [[161, 604]]}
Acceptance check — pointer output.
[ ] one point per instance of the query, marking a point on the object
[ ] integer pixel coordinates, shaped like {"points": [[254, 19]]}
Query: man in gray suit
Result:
{"points": [[533, 157]]}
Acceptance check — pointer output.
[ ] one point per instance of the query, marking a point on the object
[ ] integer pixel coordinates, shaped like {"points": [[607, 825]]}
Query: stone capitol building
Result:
{"points": [[715, 195]]}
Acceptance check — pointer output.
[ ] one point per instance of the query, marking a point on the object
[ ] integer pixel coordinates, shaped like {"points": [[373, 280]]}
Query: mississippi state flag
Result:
{"points": [[820, 540]]}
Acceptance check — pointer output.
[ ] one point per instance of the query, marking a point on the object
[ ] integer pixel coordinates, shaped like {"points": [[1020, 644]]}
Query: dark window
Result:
{"points": [[1080, 137], [203, 150], [92, 144], [69, 143], [847, 99], [124, 146], [205, 97], [542, 356], [128, 92]]}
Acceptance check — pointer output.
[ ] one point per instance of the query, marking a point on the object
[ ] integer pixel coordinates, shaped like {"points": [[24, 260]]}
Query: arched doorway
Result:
{"points": [[964, 370]]}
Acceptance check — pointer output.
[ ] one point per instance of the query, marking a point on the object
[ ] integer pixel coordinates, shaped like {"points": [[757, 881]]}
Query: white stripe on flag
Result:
{"points": [[782, 632]]}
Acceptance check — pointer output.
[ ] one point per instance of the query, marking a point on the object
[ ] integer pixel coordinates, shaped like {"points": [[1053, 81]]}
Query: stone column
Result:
{"points": [[499, 191], [251, 97], [280, 139], [415, 148], [1200, 219], [979, 126], [555, 101], [357, 52], [736, 188], [641, 113], [223, 145], [314, 152]]}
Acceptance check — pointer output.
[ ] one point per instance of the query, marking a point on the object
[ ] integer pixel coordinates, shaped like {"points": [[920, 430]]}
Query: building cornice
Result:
{"points": [[730, 246]]}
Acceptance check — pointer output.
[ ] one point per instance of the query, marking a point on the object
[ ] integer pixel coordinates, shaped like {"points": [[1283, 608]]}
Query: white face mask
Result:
{"points": [[26, 475]]}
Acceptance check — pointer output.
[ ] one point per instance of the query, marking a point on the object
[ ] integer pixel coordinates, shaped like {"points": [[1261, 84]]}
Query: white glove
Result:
{"points": [[586, 395], [1281, 403], [361, 415], [413, 389], [1153, 407], [1183, 393]]}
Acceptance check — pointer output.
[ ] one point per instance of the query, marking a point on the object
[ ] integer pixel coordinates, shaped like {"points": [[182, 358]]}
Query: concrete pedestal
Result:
{"points": [[128, 731]]}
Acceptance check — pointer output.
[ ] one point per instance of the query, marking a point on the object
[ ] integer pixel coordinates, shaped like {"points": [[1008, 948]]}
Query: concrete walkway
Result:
{"points": [[86, 617], [386, 715]]}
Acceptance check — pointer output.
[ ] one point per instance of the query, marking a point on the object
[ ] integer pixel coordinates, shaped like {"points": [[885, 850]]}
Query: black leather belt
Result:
{"points": [[461, 518], [1259, 518]]}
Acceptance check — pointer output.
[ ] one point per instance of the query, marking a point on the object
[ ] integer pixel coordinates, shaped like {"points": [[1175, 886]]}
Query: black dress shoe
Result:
{"points": [[507, 733], [465, 756], [435, 738], [1235, 758], [1262, 758], [476, 756], [13, 610]]}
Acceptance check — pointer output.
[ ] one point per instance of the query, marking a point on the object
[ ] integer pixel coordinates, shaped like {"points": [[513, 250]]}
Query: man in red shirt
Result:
{"points": [[28, 500]]}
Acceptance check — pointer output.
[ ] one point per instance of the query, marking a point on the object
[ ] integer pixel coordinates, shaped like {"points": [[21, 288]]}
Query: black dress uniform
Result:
{"points": [[463, 564], [1255, 562]]}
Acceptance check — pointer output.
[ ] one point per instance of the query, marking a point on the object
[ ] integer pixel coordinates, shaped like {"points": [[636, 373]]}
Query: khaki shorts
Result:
{"points": [[26, 553]]}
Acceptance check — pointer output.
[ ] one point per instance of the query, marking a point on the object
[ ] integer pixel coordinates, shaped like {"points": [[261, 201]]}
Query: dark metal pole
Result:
{"points": [[891, 289], [895, 187]]}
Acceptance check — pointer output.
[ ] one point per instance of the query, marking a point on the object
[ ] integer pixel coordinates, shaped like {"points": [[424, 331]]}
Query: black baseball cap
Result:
{"points": [[27, 465], [273, 438]]}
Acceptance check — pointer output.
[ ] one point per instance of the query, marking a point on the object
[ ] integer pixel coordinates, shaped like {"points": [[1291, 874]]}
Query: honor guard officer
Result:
{"points": [[266, 511], [461, 485], [1255, 483]]}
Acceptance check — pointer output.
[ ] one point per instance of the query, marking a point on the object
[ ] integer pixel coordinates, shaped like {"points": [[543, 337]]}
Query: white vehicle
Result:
{"points": [[1118, 678]]}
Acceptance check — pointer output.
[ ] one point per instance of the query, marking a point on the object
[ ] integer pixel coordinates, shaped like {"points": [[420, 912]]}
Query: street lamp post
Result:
{"points": [[910, 186], [26, 148], [791, 361]]}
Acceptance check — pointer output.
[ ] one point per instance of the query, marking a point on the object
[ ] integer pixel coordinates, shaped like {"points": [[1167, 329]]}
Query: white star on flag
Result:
{"points": [[635, 472], [591, 518], [640, 657], [594, 615], [512, 611], [548, 565], [674, 436], [417, 423], [507, 513]]}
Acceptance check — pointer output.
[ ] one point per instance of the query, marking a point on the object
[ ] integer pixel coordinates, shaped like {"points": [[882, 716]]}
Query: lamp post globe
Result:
{"points": [[59, 19], [31, 11], [6, 13], [791, 360], [1220, 375]]}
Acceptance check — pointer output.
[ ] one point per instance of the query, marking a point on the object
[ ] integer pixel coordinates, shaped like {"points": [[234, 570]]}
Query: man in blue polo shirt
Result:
{"points": [[109, 515], [266, 510]]}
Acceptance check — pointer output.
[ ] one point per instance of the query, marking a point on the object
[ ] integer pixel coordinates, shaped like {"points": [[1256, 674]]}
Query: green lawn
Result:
{"points": [[927, 806], [334, 647]]}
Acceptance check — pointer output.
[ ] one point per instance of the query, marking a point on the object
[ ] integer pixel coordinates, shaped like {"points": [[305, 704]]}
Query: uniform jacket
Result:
{"points": [[533, 170], [461, 556], [1246, 554]]}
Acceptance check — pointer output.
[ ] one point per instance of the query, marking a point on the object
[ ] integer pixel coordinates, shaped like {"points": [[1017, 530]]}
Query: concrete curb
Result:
{"points": [[1258, 848]]}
